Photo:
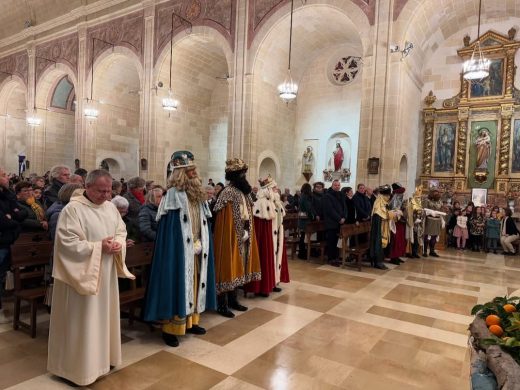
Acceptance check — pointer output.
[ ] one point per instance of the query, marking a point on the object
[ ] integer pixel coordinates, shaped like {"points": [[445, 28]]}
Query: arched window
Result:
{"points": [[64, 95]]}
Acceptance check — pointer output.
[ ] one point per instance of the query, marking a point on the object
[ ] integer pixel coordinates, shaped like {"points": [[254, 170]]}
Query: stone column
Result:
{"points": [[147, 132], [429, 118], [34, 153], [239, 131]]}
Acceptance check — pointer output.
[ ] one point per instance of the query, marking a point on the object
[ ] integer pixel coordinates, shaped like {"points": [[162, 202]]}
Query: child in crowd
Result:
{"points": [[476, 229], [492, 231], [461, 229], [450, 227]]}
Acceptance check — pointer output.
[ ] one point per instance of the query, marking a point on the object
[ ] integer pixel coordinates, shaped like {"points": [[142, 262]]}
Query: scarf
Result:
{"points": [[38, 210], [138, 195]]}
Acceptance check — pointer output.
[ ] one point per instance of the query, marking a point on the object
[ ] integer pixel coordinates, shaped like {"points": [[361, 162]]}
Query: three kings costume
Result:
{"points": [[236, 251], [85, 332], [380, 227], [182, 278]]}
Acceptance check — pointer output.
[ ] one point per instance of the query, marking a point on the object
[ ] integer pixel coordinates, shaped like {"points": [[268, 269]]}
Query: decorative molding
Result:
{"points": [[17, 64], [261, 10], [218, 14], [126, 31], [429, 118], [64, 49]]}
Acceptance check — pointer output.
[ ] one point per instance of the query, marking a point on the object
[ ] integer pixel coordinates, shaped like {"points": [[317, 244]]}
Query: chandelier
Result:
{"points": [[289, 89], [477, 67], [34, 121], [169, 103], [90, 112]]}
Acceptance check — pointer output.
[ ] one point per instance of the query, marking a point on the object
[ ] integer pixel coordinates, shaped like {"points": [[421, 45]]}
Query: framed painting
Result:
{"points": [[479, 196], [515, 153], [491, 86], [444, 154], [482, 153]]}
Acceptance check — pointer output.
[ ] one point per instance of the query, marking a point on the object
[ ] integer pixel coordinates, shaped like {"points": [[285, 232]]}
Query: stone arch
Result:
{"points": [[318, 30], [270, 160], [14, 136], [49, 78], [200, 83], [115, 165], [346, 7], [118, 95]]}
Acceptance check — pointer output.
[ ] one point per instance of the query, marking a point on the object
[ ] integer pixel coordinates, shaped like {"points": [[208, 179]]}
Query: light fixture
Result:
{"points": [[477, 67], [33, 120], [169, 103], [90, 111], [289, 89]]}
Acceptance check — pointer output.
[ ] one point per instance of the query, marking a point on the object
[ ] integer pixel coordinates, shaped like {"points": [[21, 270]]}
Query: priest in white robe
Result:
{"points": [[89, 256]]}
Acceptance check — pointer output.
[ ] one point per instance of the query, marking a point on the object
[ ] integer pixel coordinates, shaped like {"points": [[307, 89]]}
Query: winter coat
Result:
{"points": [[306, 207], [9, 226], [334, 209], [363, 206], [31, 222], [52, 215], [50, 195], [147, 222]]}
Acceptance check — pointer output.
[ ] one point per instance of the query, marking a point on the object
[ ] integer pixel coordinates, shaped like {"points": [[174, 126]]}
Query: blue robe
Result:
{"points": [[165, 297]]}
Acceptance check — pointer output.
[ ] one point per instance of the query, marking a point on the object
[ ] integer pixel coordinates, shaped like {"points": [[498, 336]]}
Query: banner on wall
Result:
{"points": [[482, 154]]}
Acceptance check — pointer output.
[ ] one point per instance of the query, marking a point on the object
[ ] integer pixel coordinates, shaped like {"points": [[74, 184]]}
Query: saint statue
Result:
{"points": [[338, 157], [483, 144], [308, 161]]}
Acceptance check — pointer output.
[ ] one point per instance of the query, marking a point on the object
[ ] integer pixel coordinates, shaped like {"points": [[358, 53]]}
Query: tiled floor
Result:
{"points": [[329, 328]]}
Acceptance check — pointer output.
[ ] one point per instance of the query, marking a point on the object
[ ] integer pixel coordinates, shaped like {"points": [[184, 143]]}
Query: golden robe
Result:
{"points": [[84, 332], [236, 263]]}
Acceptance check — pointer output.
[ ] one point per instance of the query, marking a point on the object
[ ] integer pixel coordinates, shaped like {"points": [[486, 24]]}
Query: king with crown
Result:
{"points": [[236, 251], [182, 278]]}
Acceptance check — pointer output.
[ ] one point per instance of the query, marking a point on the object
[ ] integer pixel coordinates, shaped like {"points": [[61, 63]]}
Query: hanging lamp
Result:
{"points": [[289, 89], [477, 67]]}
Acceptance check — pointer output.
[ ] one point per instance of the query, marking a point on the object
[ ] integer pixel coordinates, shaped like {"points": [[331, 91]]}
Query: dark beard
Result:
{"points": [[242, 185]]}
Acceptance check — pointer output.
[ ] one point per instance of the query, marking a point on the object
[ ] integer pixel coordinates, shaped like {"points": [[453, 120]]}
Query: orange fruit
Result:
{"points": [[492, 319], [509, 308], [496, 330]]}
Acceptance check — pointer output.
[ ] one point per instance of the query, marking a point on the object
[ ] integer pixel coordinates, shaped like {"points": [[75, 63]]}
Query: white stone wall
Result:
{"points": [[14, 130]]}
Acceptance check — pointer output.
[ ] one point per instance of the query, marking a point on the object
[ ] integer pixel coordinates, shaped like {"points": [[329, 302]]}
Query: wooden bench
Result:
{"points": [[290, 227], [28, 263], [138, 260], [30, 238], [355, 250], [310, 229]]}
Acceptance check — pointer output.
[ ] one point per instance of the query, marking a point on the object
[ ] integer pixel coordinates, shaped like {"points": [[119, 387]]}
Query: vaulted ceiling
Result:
{"points": [[14, 13]]}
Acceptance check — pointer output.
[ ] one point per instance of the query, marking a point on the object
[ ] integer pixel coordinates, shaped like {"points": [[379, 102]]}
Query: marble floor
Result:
{"points": [[330, 328]]}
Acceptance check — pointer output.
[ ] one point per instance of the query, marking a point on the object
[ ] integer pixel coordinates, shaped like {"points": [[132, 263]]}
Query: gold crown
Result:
{"points": [[235, 164]]}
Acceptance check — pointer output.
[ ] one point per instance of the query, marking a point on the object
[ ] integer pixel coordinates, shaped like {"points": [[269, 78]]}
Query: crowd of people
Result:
{"points": [[208, 243]]}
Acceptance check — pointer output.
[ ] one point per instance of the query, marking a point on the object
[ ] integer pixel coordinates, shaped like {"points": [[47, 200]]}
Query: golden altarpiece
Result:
{"points": [[473, 141]]}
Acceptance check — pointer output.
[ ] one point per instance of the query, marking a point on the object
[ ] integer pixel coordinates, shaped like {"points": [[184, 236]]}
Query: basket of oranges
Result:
{"points": [[495, 330]]}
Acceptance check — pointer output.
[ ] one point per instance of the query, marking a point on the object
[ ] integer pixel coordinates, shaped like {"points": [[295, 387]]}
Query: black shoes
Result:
{"points": [[277, 289], [380, 266], [195, 329], [170, 339], [224, 311], [238, 307], [263, 295], [433, 254]]}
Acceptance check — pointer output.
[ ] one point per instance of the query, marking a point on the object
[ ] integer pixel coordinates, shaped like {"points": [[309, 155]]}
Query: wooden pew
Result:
{"points": [[28, 263], [290, 226], [138, 261], [311, 228], [357, 251]]}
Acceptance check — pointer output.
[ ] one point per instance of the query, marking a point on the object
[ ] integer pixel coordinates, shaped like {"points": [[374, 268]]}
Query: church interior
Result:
{"points": [[355, 92]]}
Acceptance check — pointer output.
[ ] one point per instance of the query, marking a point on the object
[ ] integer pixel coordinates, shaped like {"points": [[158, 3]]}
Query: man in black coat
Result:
{"points": [[10, 216], [334, 215], [362, 204], [317, 197], [59, 175]]}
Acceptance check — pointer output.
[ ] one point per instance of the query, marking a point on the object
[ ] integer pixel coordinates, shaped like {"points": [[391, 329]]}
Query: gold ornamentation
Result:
{"points": [[466, 40], [430, 99], [511, 34], [452, 102], [510, 71], [428, 144], [462, 140], [505, 136], [235, 164]]}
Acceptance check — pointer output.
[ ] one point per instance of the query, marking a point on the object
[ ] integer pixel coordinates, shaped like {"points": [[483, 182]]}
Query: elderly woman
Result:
{"points": [[132, 229], [147, 214]]}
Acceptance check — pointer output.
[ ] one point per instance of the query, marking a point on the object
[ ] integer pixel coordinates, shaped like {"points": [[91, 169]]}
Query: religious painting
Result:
{"points": [[479, 197], [492, 85], [515, 154], [482, 154], [339, 151], [444, 156]]}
